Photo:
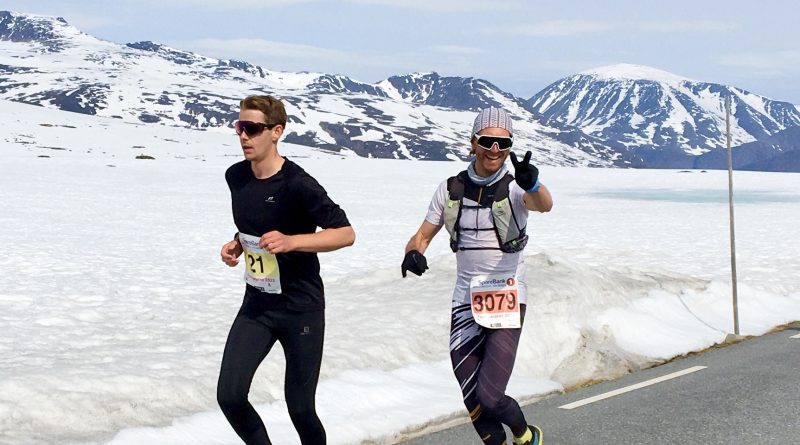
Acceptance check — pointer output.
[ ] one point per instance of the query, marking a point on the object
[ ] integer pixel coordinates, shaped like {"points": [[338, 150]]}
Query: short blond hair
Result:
{"points": [[273, 109]]}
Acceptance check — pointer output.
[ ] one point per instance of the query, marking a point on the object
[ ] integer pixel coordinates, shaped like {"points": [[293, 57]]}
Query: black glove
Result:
{"points": [[415, 262], [525, 173]]}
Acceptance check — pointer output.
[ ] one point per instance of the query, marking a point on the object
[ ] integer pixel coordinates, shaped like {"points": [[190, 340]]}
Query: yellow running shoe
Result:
{"points": [[537, 438]]}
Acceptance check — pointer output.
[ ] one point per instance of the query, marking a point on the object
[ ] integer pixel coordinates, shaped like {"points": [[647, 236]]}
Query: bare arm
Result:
{"points": [[540, 200], [420, 240], [414, 260], [325, 240]]}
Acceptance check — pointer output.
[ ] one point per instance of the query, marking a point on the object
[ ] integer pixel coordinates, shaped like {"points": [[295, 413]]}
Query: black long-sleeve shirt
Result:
{"points": [[291, 202]]}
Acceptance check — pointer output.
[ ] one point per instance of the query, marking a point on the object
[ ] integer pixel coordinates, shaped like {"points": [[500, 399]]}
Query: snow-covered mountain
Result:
{"points": [[659, 119], [622, 115], [47, 62]]}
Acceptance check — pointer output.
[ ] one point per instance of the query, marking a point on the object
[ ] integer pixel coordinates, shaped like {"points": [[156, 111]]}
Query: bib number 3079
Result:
{"points": [[261, 267], [495, 301]]}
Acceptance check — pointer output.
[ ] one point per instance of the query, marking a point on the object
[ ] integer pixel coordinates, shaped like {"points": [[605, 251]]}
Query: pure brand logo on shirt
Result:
{"points": [[271, 199]]}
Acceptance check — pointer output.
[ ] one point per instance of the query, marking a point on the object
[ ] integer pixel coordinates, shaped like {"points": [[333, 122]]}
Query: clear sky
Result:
{"points": [[519, 45]]}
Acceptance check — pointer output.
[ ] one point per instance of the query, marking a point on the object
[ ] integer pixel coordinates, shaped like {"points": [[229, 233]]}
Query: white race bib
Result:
{"points": [[495, 301], [261, 267]]}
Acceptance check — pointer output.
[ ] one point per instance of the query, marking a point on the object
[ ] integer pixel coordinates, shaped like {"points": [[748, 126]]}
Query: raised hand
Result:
{"points": [[525, 173]]}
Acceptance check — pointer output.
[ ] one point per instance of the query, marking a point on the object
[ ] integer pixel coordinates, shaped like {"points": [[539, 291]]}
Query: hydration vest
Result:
{"points": [[510, 237]]}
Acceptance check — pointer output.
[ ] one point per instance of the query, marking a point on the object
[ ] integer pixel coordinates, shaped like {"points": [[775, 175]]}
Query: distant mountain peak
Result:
{"points": [[656, 117], [628, 71], [424, 74], [46, 30], [178, 56]]}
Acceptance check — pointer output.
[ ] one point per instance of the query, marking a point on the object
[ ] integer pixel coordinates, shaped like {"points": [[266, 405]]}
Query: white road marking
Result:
{"points": [[619, 391], [795, 336]]}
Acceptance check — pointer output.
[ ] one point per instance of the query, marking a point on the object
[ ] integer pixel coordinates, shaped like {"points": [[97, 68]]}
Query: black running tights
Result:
{"points": [[252, 335], [482, 361]]}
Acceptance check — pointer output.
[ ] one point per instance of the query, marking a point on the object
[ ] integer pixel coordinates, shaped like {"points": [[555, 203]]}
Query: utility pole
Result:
{"points": [[730, 206]]}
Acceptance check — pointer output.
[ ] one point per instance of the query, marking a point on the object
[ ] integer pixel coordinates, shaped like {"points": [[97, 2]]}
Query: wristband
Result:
{"points": [[535, 187]]}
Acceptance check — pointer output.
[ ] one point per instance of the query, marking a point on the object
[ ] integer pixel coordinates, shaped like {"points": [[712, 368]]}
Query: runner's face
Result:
{"points": [[257, 147], [489, 161]]}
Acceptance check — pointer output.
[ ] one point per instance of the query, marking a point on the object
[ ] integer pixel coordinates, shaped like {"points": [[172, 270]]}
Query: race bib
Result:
{"points": [[495, 301], [261, 267]]}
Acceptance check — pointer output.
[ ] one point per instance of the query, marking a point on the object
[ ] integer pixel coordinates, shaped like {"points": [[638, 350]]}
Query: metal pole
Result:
{"points": [[730, 205]]}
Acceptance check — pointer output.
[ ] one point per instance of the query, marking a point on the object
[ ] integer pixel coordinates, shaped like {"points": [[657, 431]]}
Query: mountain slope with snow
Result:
{"points": [[658, 118], [44, 61], [621, 115]]}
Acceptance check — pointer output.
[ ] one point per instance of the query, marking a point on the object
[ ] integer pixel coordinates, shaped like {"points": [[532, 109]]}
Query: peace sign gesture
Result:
{"points": [[525, 173]]}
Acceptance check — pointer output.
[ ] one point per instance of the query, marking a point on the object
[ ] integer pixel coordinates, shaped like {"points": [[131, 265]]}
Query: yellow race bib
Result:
{"points": [[261, 267]]}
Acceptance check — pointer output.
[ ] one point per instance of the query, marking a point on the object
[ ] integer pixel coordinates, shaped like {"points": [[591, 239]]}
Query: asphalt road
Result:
{"points": [[745, 393]]}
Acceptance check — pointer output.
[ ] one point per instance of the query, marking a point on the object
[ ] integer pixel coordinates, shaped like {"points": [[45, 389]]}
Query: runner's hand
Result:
{"points": [[414, 262], [525, 173], [276, 242], [230, 253]]}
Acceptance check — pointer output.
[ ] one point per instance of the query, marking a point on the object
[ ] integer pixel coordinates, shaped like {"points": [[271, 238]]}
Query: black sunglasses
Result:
{"points": [[252, 128], [487, 142]]}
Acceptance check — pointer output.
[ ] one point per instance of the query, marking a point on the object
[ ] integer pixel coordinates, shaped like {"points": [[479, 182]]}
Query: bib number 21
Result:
{"points": [[261, 267]]}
